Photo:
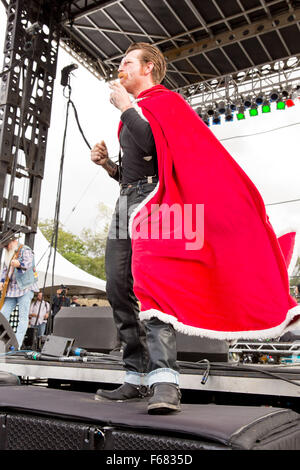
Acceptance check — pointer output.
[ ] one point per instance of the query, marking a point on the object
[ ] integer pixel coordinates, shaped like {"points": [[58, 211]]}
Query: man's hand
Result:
{"points": [[99, 153], [119, 96], [1, 286], [15, 263]]}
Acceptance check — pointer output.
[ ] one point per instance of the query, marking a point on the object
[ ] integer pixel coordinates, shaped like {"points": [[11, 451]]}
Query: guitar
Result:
{"points": [[8, 276]]}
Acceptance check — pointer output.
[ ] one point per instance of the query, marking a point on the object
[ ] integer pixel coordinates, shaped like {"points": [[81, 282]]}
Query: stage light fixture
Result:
{"points": [[295, 93], [221, 107], [259, 100], [285, 93], [253, 111], [266, 108], [228, 114], [274, 95], [241, 113], [205, 119], [289, 102], [280, 104], [247, 102], [233, 106], [211, 111], [216, 118]]}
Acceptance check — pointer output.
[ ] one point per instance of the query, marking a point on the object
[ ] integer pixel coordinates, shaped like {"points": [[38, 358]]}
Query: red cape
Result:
{"points": [[204, 254]]}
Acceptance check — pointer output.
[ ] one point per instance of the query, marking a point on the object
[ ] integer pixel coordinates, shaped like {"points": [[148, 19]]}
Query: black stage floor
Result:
{"points": [[201, 382], [213, 427]]}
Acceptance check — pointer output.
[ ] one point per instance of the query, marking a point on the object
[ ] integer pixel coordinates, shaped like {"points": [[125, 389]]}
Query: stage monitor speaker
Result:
{"points": [[57, 346], [196, 348], [93, 328], [8, 340]]}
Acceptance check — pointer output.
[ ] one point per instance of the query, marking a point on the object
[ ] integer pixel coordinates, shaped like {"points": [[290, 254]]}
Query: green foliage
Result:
{"points": [[95, 242], [94, 266], [86, 252], [67, 242]]}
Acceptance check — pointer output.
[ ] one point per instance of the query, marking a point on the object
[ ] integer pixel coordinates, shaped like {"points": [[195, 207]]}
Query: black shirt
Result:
{"points": [[139, 157], [58, 302]]}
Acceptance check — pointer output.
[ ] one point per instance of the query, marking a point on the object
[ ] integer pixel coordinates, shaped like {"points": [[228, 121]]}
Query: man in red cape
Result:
{"points": [[205, 258]]}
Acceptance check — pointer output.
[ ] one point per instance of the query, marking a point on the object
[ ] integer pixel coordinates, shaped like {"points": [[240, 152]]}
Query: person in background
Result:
{"points": [[39, 314], [74, 302], [61, 299], [18, 282]]}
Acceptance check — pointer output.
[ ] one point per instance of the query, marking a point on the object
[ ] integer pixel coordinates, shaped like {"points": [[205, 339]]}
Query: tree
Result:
{"points": [[67, 242], [95, 241], [295, 279], [82, 252]]}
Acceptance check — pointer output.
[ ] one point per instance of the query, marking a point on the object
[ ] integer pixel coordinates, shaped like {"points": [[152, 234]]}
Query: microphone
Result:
{"points": [[66, 72]]}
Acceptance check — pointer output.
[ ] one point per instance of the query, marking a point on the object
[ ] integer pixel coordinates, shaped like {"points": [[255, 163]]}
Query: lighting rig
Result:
{"points": [[250, 106], [247, 94]]}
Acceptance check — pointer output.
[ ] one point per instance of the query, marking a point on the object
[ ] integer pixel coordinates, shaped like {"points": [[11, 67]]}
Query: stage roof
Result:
{"points": [[201, 39]]}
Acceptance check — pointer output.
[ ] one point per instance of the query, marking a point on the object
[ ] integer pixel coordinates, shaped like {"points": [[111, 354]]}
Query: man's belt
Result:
{"points": [[134, 184]]}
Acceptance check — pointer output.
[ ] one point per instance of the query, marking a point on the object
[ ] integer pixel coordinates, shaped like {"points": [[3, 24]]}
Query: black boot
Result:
{"points": [[125, 392], [165, 398]]}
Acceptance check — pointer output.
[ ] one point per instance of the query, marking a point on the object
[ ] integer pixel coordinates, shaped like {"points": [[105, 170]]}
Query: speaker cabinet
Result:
{"points": [[26, 432], [8, 340], [196, 348], [93, 328]]}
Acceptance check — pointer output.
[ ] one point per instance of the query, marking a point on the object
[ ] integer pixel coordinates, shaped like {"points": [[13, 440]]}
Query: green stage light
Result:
{"points": [[253, 111], [280, 104], [266, 108], [240, 116], [240, 113]]}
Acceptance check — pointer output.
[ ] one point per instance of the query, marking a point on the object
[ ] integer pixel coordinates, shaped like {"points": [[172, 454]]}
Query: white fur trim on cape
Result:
{"points": [[274, 332], [140, 206], [150, 196]]}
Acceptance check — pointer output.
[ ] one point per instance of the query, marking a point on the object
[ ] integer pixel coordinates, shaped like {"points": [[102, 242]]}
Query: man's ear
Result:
{"points": [[148, 68]]}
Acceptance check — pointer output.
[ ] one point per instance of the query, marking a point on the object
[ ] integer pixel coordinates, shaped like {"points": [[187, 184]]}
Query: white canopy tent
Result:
{"points": [[75, 279]]}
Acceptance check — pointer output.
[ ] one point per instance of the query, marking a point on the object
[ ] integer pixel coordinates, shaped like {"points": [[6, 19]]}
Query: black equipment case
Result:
{"points": [[35, 417]]}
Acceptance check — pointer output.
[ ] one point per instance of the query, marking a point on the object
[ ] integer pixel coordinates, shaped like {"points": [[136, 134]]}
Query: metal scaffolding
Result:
{"points": [[26, 91]]}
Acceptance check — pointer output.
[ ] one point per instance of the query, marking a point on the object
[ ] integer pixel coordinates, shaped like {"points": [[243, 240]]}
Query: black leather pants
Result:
{"points": [[144, 351], [119, 281], [161, 342]]}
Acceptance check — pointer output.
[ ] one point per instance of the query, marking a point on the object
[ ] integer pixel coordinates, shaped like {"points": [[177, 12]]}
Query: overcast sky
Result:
{"points": [[271, 159]]}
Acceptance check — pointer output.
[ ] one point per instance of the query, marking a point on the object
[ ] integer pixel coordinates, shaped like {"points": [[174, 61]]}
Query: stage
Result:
{"points": [[226, 377], [35, 417], [225, 406]]}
